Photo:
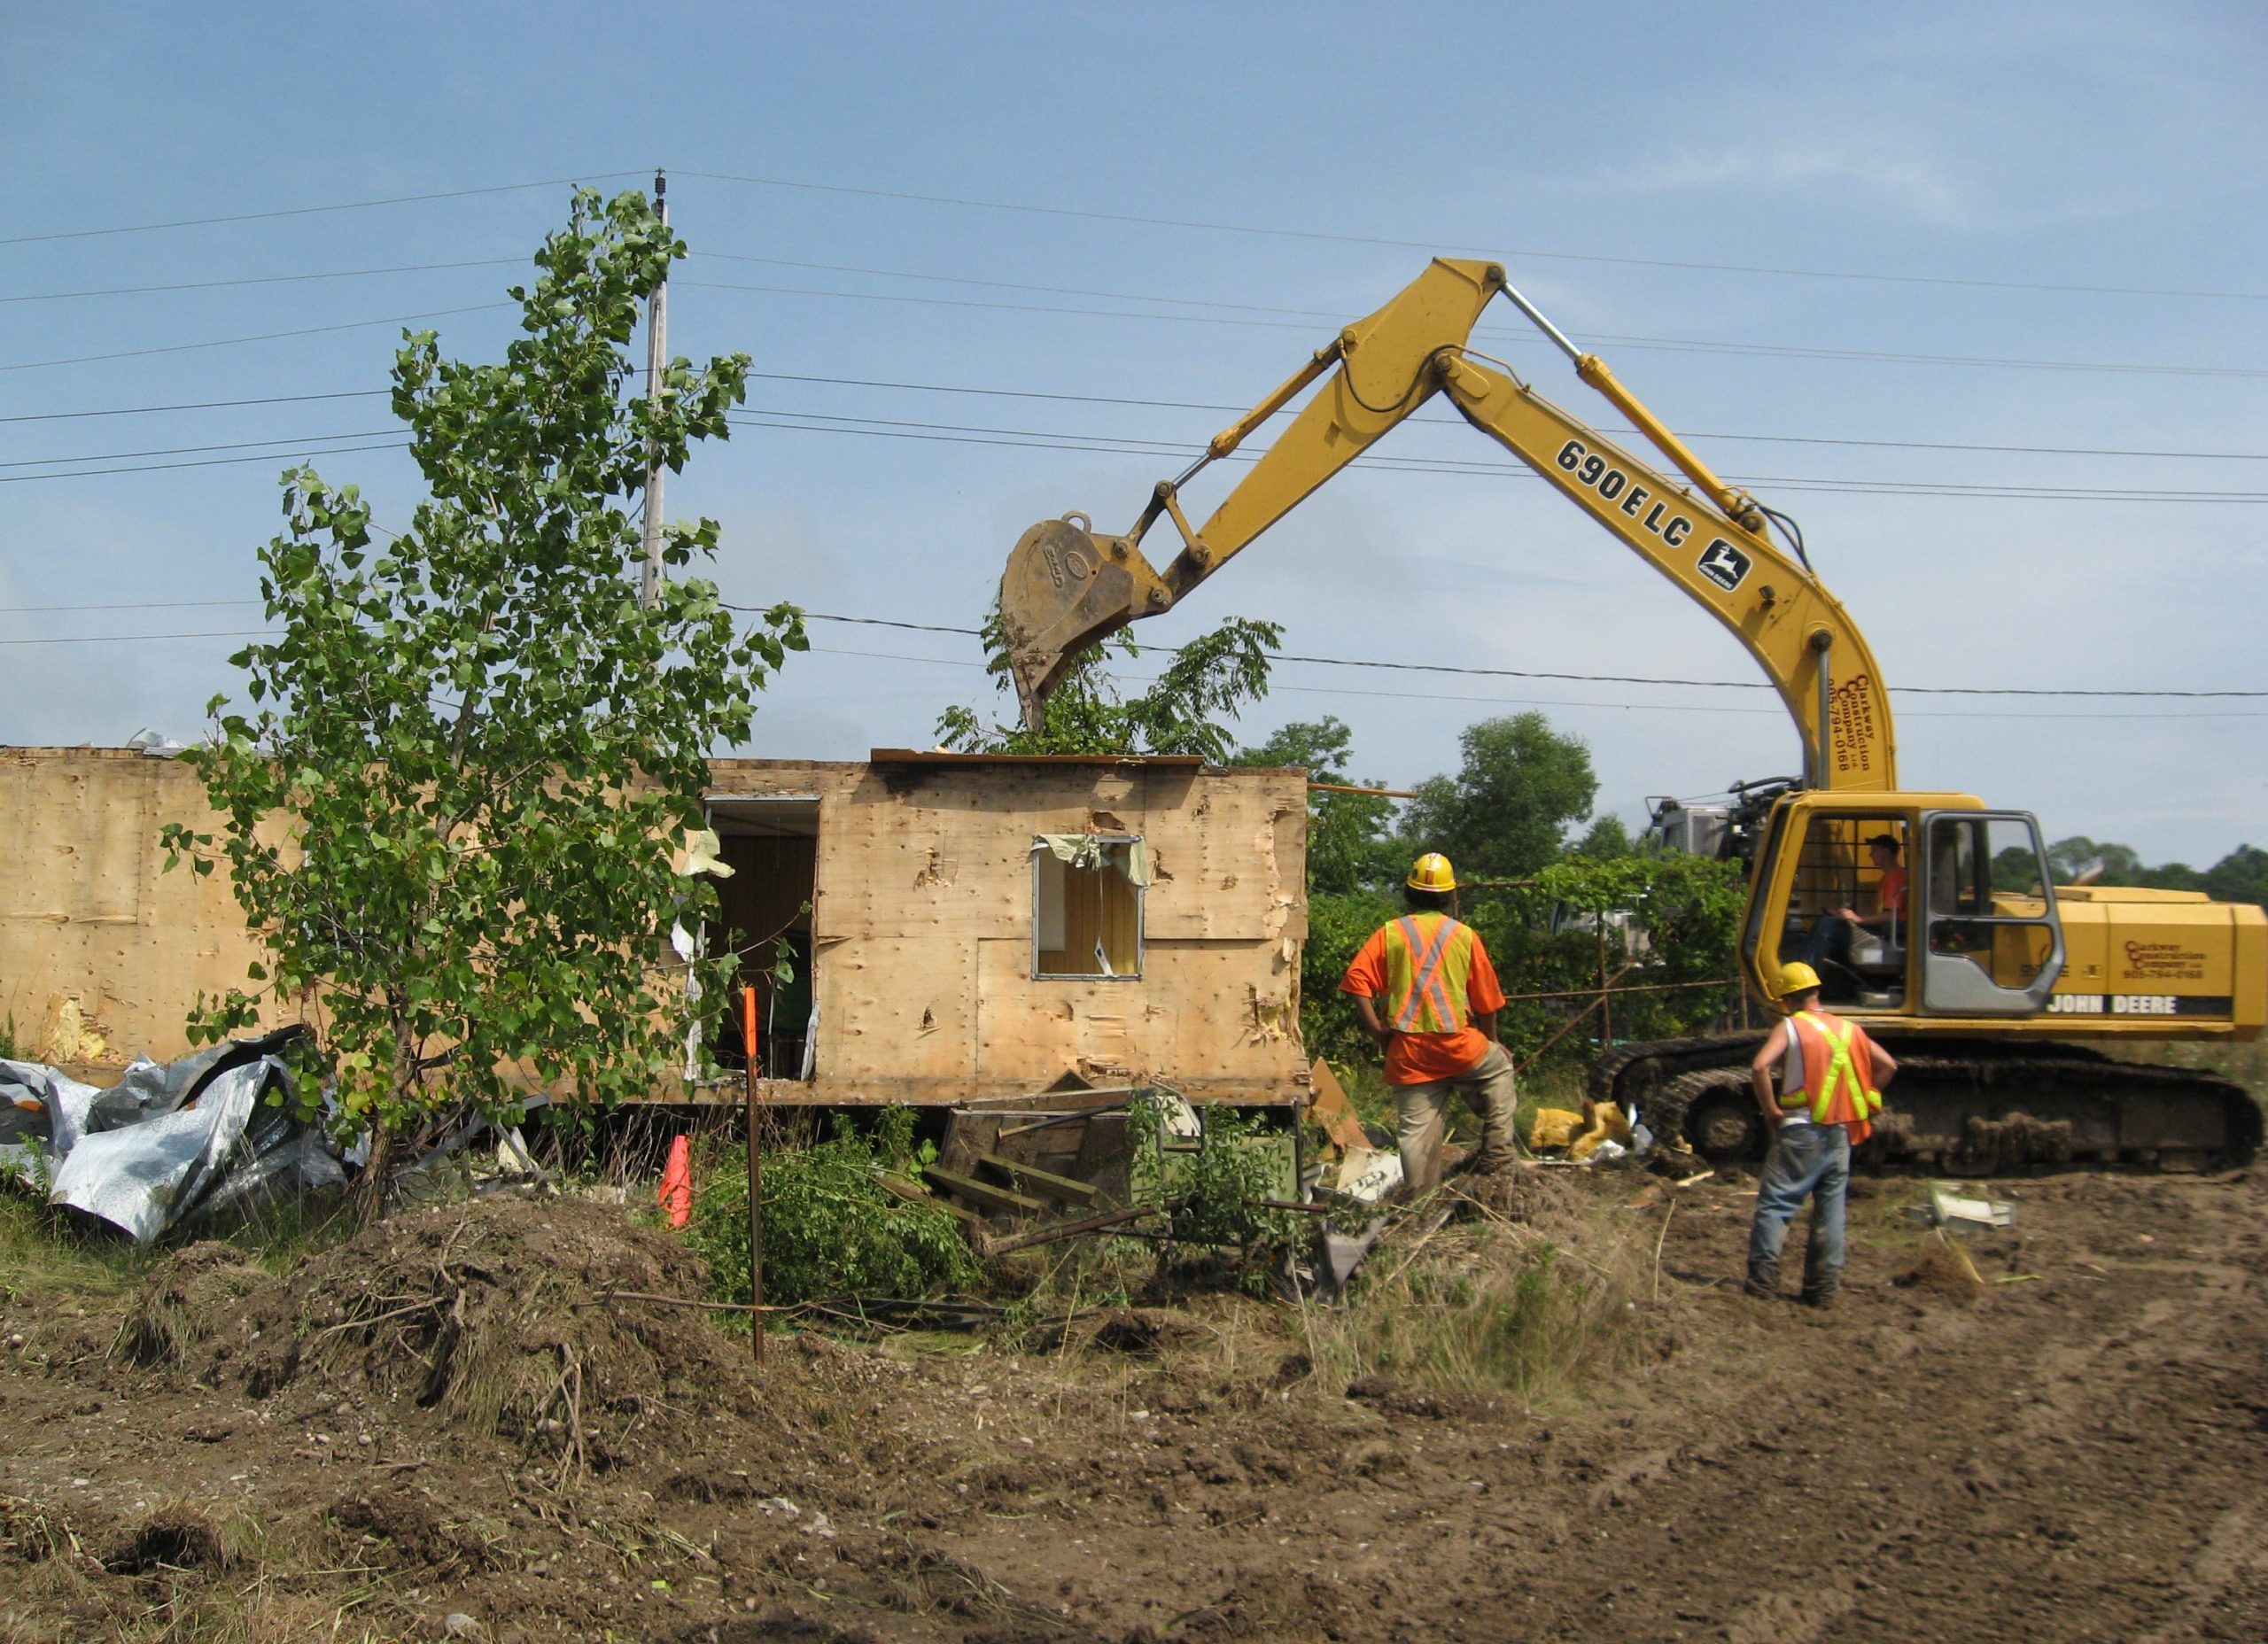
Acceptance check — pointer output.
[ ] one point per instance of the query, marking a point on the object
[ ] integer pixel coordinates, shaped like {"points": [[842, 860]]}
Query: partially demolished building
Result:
{"points": [[957, 926]]}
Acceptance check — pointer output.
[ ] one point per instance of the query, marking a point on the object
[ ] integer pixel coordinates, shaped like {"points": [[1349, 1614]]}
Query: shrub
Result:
{"points": [[830, 1227]]}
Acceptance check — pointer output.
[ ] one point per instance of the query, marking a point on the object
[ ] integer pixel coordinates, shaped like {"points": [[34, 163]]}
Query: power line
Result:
{"points": [[1043, 439], [198, 405], [136, 639], [1496, 253], [151, 468], [1560, 702], [1675, 345], [1451, 422], [262, 279], [263, 337], [1051, 439], [1550, 701], [170, 451], [1323, 317], [1331, 662], [126, 605], [978, 391], [310, 211], [1517, 673]]}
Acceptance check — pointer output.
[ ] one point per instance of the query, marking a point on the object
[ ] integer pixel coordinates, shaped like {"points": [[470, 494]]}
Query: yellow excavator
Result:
{"points": [[1980, 988]]}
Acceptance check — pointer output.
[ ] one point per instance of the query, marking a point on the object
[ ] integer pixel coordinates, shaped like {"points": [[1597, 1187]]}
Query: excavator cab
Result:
{"points": [[1907, 904]]}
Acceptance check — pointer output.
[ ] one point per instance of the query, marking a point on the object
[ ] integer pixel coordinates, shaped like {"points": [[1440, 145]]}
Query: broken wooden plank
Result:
{"points": [[1069, 1229], [999, 1199], [1046, 1184], [1328, 1106], [915, 1193]]}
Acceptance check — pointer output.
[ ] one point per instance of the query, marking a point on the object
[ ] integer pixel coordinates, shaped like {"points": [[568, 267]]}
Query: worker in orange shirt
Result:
{"points": [[1829, 941], [1439, 997]]}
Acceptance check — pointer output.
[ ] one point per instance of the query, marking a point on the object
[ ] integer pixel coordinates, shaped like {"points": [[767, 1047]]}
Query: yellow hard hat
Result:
{"points": [[1432, 872], [1796, 977]]}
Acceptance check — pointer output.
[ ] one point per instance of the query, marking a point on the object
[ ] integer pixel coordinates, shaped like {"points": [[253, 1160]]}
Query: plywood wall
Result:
{"points": [[922, 928], [102, 951], [921, 924]]}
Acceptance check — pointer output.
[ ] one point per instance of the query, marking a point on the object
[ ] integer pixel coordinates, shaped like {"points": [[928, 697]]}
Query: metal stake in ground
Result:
{"points": [[755, 1184]]}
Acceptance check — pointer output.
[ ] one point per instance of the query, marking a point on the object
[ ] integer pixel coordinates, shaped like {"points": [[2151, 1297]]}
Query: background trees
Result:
{"points": [[1506, 812]]}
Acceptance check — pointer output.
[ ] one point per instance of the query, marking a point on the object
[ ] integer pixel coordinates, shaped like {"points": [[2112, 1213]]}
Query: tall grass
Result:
{"points": [[1491, 1307]]}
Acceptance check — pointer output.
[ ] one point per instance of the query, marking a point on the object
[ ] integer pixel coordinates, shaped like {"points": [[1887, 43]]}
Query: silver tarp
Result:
{"points": [[167, 1142]]}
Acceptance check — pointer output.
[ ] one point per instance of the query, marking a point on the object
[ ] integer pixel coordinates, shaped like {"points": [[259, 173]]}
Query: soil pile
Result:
{"points": [[185, 1297], [1542, 1199], [493, 1315]]}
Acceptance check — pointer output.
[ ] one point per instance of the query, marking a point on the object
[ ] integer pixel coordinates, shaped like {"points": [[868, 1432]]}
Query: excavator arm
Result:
{"points": [[1067, 587]]}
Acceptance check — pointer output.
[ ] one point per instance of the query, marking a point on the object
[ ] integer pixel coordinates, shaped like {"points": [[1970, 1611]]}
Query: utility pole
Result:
{"points": [[657, 358]]}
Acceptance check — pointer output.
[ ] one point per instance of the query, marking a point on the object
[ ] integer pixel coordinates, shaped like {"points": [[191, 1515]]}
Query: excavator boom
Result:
{"points": [[1068, 587]]}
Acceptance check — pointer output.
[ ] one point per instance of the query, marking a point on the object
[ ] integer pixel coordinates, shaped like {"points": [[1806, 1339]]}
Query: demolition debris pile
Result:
{"points": [[504, 1315]]}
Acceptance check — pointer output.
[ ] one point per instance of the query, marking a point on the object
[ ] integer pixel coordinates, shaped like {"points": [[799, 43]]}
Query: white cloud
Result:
{"points": [[1903, 177]]}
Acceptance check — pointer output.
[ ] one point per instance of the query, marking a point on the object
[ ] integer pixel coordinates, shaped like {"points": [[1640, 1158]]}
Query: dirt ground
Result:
{"points": [[423, 1438]]}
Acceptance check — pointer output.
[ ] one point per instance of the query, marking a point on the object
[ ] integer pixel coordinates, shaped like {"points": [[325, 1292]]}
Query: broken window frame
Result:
{"points": [[1041, 852]]}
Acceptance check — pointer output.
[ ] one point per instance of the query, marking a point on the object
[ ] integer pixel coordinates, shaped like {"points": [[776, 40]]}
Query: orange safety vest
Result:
{"points": [[1839, 1075], [1428, 966]]}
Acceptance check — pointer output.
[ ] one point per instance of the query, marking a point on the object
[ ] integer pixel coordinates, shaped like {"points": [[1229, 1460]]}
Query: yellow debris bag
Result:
{"points": [[1553, 1128], [1610, 1125]]}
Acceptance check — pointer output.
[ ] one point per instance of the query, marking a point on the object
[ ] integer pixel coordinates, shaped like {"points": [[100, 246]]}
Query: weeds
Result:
{"points": [[47, 1255], [1494, 1307]]}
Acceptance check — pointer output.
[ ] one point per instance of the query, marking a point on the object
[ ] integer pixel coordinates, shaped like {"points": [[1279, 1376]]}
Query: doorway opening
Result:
{"points": [[764, 913]]}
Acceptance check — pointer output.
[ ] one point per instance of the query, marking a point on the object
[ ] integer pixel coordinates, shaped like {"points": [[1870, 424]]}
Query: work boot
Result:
{"points": [[1822, 1292], [1763, 1282]]}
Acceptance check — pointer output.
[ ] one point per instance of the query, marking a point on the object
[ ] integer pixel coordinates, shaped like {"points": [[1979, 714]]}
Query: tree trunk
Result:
{"points": [[373, 1188], [373, 1193]]}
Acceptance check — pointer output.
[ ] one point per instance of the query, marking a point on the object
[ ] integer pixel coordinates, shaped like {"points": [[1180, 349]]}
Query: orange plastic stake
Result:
{"points": [[676, 1192]]}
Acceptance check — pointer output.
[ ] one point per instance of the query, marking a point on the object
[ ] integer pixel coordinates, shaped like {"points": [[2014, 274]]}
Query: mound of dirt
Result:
{"points": [[185, 1297], [494, 1315], [1938, 1269], [1542, 1199]]}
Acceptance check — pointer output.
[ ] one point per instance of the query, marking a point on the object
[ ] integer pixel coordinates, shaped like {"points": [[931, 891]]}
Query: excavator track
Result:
{"points": [[1966, 1106]]}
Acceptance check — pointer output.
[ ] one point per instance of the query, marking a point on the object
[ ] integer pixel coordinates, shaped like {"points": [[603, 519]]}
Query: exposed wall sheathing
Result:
{"points": [[920, 923]]}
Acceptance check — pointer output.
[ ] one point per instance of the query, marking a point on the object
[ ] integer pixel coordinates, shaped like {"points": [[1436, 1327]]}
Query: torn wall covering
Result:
{"points": [[906, 893]]}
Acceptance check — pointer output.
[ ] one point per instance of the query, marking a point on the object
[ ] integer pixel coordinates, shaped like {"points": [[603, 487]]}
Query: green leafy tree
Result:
{"points": [[1609, 837], [2015, 869], [451, 810], [2110, 863], [1506, 813], [1210, 680], [2240, 876]]}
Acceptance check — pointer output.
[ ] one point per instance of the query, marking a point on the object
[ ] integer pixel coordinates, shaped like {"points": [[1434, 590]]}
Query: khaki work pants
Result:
{"points": [[1422, 1119]]}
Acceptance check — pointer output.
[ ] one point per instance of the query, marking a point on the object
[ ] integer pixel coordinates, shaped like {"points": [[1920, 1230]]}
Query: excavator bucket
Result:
{"points": [[1066, 589]]}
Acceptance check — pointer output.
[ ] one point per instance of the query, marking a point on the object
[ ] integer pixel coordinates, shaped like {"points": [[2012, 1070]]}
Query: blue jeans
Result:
{"points": [[1827, 942], [1806, 1161]]}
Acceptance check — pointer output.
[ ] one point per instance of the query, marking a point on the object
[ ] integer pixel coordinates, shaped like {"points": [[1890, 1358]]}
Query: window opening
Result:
{"points": [[1087, 894]]}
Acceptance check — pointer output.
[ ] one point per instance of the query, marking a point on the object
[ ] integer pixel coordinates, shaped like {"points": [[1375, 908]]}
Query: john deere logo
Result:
{"points": [[1723, 564]]}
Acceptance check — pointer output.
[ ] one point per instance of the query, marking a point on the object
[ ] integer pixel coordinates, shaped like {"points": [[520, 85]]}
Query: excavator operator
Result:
{"points": [[1441, 998], [1829, 943]]}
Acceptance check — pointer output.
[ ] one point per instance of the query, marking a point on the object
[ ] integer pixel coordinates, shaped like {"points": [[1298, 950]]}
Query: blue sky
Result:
{"points": [[2008, 155]]}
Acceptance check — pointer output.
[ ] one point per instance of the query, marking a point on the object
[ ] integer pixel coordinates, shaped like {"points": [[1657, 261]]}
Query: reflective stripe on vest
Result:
{"points": [[1426, 980], [1836, 1089]]}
